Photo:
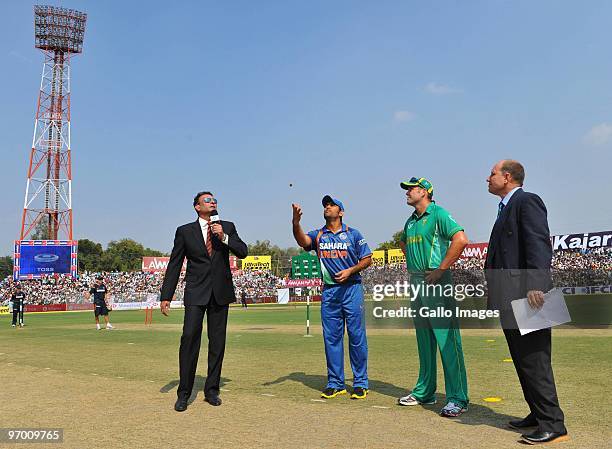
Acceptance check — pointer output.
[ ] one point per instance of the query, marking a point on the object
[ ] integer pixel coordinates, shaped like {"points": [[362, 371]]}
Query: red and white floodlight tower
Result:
{"points": [[59, 34]]}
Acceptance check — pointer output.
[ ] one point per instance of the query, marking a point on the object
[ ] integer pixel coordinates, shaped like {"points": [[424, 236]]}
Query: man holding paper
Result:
{"points": [[518, 266]]}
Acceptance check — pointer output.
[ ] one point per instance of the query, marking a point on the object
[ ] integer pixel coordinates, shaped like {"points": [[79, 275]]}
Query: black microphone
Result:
{"points": [[214, 217]]}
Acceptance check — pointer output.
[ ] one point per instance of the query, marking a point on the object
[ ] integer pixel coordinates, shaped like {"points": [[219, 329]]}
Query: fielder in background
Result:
{"points": [[343, 253], [425, 241], [18, 300], [99, 292]]}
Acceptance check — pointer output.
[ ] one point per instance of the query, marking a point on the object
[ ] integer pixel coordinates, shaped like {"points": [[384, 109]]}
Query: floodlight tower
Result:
{"points": [[59, 34]]}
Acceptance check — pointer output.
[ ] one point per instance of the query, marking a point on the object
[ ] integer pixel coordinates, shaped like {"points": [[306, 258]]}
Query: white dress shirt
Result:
{"points": [[509, 195], [204, 227]]}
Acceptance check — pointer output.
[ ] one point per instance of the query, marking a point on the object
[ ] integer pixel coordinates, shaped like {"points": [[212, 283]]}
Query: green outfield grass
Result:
{"points": [[271, 377]]}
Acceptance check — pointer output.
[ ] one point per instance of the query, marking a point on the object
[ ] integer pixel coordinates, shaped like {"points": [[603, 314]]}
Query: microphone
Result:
{"points": [[214, 217]]}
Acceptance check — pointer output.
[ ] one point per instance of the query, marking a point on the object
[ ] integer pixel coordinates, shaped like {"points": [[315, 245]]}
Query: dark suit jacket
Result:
{"points": [[205, 275], [519, 253]]}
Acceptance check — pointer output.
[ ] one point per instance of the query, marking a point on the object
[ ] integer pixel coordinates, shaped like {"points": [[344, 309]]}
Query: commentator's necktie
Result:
{"points": [[209, 246], [500, 208]]}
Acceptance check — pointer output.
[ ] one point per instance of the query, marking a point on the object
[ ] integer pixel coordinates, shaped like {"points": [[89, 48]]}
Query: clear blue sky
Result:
{"points": [[342, 97]]}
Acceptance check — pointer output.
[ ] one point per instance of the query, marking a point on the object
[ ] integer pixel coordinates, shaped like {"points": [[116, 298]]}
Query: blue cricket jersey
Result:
{"points": [[339, 251]]}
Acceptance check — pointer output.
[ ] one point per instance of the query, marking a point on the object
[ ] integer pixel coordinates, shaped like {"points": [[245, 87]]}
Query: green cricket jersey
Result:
{"points": [[427, 238]]}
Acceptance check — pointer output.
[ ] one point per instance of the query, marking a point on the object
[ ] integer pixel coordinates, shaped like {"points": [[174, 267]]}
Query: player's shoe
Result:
{"points": [[329, 393], [359, 393], [13, 325], [410, 400], [109, 326], [452, 410]]}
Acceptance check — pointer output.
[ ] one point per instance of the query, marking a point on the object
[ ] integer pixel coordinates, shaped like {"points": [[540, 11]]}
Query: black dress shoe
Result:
{"points": [[539, 437], [213, 399], [523, 423], [180, 405]]}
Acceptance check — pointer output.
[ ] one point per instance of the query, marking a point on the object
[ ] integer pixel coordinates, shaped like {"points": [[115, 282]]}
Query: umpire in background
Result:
{"points": [[209, 289], [18, 300], [518, 266]]}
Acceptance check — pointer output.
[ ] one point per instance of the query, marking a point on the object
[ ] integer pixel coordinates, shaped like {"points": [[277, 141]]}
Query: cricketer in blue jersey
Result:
{"points": [[343, 253]]}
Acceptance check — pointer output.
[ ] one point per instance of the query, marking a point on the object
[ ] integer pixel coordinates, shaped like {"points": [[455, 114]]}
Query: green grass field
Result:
{"points": [[117, 388]]}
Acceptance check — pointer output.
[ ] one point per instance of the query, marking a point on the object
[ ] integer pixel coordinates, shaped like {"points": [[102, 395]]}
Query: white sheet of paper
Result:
{"points": [[553, 312]]}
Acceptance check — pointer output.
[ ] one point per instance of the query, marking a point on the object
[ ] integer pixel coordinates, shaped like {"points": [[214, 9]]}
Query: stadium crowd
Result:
{"points": [[386, 274], [570, 268], [582, 267], [126, 286], [256, 284]]}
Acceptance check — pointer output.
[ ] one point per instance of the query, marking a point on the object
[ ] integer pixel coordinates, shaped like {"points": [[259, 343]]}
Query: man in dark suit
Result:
{"points": [[518, 266], [209, 289]]}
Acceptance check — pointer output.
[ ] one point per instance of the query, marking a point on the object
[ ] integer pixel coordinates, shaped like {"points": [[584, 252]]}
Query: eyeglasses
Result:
{"points": [[209, 199]]}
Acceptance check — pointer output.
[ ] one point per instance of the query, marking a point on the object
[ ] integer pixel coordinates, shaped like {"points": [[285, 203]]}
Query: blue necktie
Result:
{"points": [[500, 208]]}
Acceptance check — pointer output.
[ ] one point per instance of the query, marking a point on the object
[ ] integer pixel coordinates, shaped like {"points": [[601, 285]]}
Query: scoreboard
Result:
{"points": [[305, 266], [37, 258]]}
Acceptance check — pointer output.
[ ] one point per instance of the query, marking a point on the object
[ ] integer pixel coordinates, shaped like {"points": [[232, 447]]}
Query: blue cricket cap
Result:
{"points": [[328, 199]]}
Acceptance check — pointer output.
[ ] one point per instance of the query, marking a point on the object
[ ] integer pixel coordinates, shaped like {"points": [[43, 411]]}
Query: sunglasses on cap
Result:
{"points": [[417, 182]]}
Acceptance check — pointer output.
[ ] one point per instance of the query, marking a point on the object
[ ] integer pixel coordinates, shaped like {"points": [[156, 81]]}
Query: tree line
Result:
{"points": [[126, 255]]}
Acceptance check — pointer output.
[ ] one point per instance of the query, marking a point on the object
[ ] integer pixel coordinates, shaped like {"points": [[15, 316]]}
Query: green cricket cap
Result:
{"points": [[417, 182]]}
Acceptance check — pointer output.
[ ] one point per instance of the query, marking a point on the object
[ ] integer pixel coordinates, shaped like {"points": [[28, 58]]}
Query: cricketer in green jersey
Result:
{"points": [[432, 242]]}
